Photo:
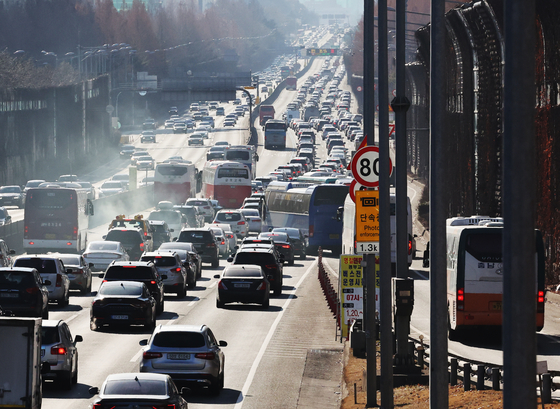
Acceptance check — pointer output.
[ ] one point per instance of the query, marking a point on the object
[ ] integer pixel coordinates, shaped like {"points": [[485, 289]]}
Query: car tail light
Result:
{"points": [[176, 270], [261, 287], [205, 355], [75, 232], [32, 290], [461, 299], [211, 245], [311, 230], [206, 207], [222, 286], [151, 355], [241, 223], [540, 301], [58, 350], [79, 271], [223, 242], [285, 246], [152, 282], [58, 280], [215, 221], [142, 246], [271, 266]]}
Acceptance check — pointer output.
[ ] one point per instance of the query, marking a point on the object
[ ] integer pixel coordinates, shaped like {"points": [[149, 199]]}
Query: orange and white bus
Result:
{"points": [[175, 182], [227, 182], [56, 219], [475, 273]]}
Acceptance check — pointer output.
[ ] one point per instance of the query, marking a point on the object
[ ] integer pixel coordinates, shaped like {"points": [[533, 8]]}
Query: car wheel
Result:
{"points": [[215, 263], [159, 308], [65, 380], [93, 326], [219, 304], [303, 256], [217, 386], [278, 291], [151, 326], [63, 302], [182, 292], [291, 261], [75, 377], [266, 304], [45, 314]]}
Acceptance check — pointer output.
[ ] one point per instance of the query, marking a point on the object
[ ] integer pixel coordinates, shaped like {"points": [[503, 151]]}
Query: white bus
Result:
{"points": [[475, 273], [175, 182], [227, 182], [349, 228]]}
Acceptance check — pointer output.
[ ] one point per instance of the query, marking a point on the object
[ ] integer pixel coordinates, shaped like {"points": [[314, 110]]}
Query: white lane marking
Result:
{"points": [[137, 356], [418, 272], [212, 285], [193, 302], [257, 360]]}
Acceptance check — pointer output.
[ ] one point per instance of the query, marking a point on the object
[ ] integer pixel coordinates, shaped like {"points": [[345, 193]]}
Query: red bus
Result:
{"points": [[266, 111], [175, 182], [56, 219], [227, 182]]}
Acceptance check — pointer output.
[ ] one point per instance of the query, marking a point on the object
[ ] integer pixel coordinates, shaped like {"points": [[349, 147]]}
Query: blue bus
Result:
{"points": [[311, 209]]}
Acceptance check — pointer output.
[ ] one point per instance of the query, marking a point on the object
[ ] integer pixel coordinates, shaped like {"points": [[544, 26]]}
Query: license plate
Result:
{"points": [[179, 356], [241, 285], [496, 306], [119, 317], [334, 236], [9, 295], [50, 236]]}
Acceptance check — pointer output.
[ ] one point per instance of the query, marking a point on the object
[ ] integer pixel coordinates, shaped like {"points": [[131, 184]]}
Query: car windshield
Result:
{"points": [[129, 271], [135, 387], [178, 339], [175, 246], [10, 189], [160, 261], [250, 257], [198, 203], [274, 236], [124, 236], [16, 279], [193, 236], [49, 335], [228, 217], [168, 216], [241, 272], [41, 265], [120, 289], [292, 233], [250, 212], [106, 246], [70, 260], [111, 185]]}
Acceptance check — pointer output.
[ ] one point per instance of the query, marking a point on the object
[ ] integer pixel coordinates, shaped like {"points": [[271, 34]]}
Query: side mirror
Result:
{"points": [[78, 338], [185, 391], [229, 259], [93, 390], [216, 276], [68, 271], [171, 230], [47, 282], [143, 342], [222, 343], [101, 275]]}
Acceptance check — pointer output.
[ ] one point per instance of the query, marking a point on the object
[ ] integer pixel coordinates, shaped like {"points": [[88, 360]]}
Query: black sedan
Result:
{"points": [[283, 245], [244, 283], [297, 238], [139, 390], [123, 302]]}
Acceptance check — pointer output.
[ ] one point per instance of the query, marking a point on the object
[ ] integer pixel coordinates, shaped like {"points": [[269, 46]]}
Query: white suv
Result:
{"points": [[235, 219], [204, 207]]}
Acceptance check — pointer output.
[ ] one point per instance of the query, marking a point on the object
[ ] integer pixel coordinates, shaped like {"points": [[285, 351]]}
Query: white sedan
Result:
{"points": [[111, 187], [253, 218], [102, 253]]}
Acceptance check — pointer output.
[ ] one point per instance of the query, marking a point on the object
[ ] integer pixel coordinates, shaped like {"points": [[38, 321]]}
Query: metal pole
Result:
{"points": [[439, 390], [369, 105], [400, 105], [519, 204], [385, 300]]}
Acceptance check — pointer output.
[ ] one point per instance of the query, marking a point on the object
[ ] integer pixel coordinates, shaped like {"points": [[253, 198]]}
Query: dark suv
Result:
{"points": [[141, 271], [169, 264], [134, 242], [267, 258], [23, 292], [204, 242]]}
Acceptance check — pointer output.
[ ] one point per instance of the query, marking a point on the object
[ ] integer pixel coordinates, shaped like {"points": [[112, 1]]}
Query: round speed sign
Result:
{"points": [[365, 166]]}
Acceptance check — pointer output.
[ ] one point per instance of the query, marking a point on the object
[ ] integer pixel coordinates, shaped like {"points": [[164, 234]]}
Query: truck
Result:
{"points": [[310, 111], [20, 377], [266, 112], [291, 83], [291, 114]]}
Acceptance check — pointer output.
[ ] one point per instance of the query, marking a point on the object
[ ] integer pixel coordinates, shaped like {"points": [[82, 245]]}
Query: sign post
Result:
{"points": [[367, 221]]}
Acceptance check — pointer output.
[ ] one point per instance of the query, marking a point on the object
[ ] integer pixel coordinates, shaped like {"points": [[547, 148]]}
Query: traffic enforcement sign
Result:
{"points": [[358, 88], [367, 221], [365, 166]]}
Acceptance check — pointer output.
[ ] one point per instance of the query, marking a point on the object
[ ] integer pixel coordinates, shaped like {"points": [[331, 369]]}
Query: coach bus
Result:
{"points": [[475, 273], [56, 219], [349, 229], [311, 209], [227, 182], [275, 134], [175, 182], [243, 154]]}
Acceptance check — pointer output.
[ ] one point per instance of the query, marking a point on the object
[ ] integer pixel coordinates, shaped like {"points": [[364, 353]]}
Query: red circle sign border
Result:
{"points": [[354, 166]]}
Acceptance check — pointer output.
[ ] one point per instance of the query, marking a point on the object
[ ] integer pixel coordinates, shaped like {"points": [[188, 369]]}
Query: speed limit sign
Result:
{"points": [[365, 166]]}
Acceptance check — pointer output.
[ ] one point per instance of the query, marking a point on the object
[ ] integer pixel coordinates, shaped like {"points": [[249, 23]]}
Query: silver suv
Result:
{"points": [[235, 219], [168, 263], [189, 354], [51, 268], [58, 349]]}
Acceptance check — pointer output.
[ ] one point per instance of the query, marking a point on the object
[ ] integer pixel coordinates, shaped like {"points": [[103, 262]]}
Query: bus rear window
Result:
{"points": [[485, 247], [233, 173], [51, 199], [172, 170], [237, 155], [330, 195], [275, 125]]}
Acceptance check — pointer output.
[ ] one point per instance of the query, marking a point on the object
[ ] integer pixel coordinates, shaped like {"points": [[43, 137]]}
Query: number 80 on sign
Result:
{"points": [[365, 166]]}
